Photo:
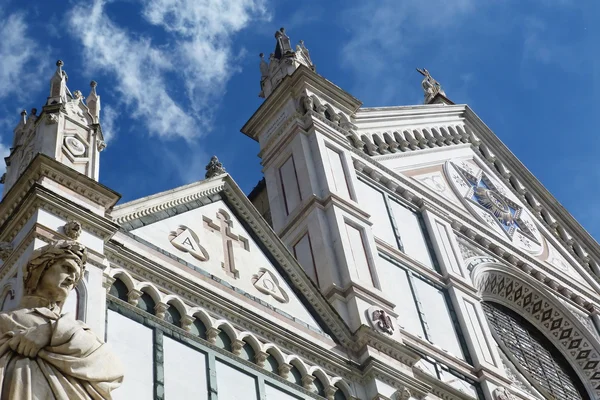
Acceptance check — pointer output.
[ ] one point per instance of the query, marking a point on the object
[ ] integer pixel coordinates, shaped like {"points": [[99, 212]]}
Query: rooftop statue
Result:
{"points": [[48, 355], [431, 87]]}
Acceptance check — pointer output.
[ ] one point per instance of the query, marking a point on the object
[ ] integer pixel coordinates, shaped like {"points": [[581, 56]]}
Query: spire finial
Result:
{"points": [[93, 102], [34, 111], [59, 63], [23, 117]]}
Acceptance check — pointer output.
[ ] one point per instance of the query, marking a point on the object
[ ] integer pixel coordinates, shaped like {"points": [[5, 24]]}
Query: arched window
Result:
{"points": [[537, 358], [248, 352], [146, 303], [198, 328], [271, 364], [319, 387], [223, 341], [119, 290], [173, 316], [339, 395], [295, 376]]}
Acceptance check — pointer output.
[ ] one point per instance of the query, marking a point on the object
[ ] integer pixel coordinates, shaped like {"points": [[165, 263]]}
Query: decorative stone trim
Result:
{"points": [[162, 201], [260, 358], [236, 346], [284, 370], [160, 310], [211, 334], [133, 296], [307, 381], [557, 323]]}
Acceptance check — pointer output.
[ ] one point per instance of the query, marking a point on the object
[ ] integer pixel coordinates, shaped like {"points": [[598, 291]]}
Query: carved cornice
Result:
{"points": [[165, 200], [39, 197], [42, 167]]}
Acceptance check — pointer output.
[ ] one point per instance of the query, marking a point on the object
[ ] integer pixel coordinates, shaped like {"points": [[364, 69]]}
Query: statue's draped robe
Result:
{"points": [[75, 365]]}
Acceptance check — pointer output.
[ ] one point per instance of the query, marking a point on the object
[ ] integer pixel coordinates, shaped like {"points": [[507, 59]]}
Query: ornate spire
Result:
{"points": [[58, 85], [282, 62], [431, 87], [93, 102], [283, 46], [214, 168]]}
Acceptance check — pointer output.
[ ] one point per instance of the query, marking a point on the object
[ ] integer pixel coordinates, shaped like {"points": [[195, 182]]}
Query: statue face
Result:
{"points": [[59, 280]]}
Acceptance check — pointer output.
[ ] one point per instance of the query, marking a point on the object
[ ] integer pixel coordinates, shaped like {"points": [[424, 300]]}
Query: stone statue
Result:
{"points": [[431, 87], [214, 168], [48, 355]]}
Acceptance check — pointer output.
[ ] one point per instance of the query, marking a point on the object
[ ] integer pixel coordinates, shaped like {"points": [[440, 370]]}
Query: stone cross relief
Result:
{"points": [[229, 239]]}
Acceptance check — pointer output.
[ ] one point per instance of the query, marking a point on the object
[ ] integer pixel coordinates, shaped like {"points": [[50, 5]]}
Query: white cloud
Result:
{"points": [[4, 152], [108, 121], [19, 58], [382, 35], [197, 55]]}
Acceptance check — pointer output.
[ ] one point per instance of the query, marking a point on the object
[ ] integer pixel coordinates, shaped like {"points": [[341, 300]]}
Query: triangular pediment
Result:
{"points": [[213, 229]]}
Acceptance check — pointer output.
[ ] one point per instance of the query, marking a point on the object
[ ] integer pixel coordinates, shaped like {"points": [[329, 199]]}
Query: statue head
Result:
{"points": [[54, 270]]}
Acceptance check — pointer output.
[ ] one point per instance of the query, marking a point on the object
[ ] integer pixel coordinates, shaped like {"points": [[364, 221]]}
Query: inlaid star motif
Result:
{"points": [[498, 207]]}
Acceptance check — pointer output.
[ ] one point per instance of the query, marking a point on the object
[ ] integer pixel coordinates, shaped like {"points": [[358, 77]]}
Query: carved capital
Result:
{"points": [[307, 381], [284, 370], [133, 296], [260, 358], [236, 346], [186, 322], [330, 392], [107, 282], [160, 309], [211, 334]]}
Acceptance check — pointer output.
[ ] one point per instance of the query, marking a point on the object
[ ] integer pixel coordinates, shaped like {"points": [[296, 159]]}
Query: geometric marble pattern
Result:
{"points": [[534, 353], [493, 205], [576, 344]]}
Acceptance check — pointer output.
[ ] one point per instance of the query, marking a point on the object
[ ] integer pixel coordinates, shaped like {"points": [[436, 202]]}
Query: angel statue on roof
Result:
{"points": [[45, 354]]}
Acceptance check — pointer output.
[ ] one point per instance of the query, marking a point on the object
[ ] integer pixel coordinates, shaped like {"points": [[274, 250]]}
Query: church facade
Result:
{"points": [[388, 253]]}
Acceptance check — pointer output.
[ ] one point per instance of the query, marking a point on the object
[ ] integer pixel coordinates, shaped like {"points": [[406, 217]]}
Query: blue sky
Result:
{"points": [[179, 78]]}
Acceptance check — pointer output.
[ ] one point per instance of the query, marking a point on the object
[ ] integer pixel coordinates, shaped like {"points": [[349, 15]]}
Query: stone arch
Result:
{"points": [[82, 296], [275, 352], [149, 288], [124, 276], [298, 363], [342, 386], [530, 300], [319, 373], [202, 315], [227, 328], [251, 340], [176, 302]]}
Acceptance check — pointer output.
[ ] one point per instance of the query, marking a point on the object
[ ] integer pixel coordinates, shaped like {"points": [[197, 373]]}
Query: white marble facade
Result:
{"points": [[393, 230]]}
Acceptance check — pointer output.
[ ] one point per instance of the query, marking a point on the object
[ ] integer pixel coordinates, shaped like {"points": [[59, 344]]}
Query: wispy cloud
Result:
{"points": [[198, 56], [19, 58], [109, 123], [382, 35], [4, 152]]}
